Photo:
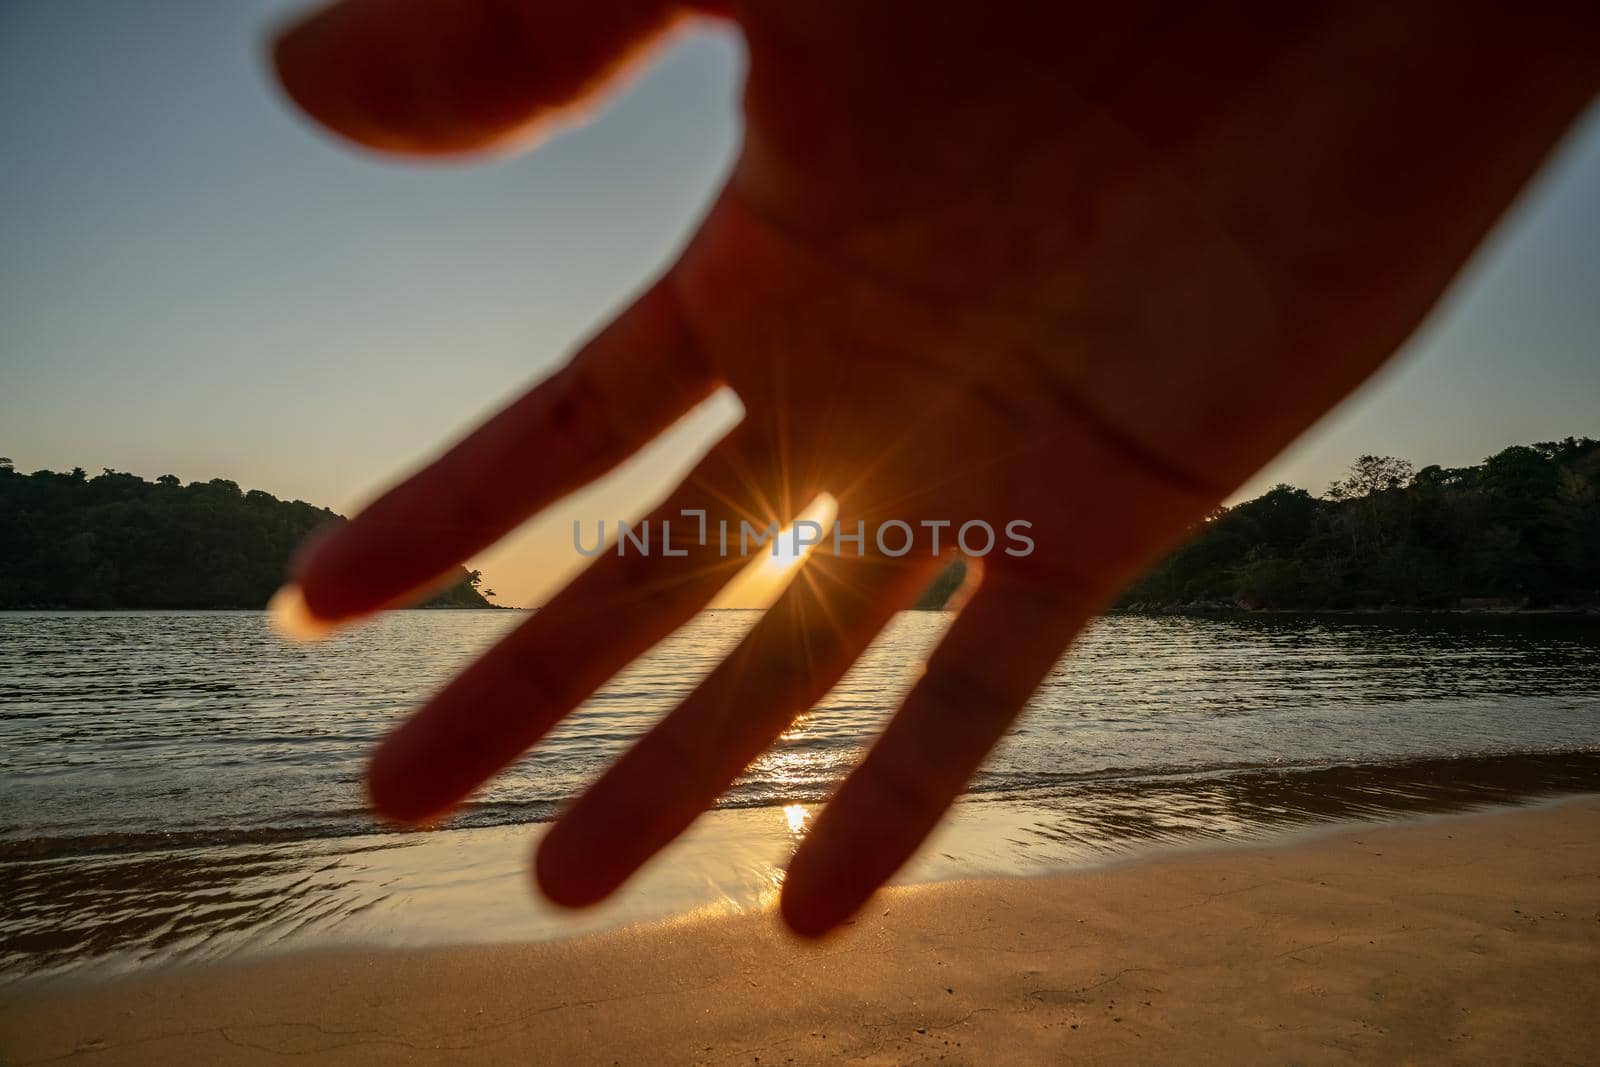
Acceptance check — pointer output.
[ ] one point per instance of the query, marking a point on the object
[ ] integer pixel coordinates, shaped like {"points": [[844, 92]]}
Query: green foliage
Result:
{"points": [[118, 541], [1522, 528]]}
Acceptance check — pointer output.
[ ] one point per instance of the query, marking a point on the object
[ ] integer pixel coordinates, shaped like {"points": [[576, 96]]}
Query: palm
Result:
{"points": [[1029, 267]]}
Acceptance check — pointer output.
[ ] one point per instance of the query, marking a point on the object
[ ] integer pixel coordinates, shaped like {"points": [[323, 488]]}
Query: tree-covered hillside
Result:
{"points": [[118, 541], [1522, 528]]}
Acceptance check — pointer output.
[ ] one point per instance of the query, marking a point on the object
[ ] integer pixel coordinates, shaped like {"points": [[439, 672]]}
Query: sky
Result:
{"points": [[195, 281]]}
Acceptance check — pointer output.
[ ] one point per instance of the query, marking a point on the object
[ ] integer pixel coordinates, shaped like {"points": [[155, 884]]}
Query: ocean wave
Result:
{"points": [[1493, 775]]}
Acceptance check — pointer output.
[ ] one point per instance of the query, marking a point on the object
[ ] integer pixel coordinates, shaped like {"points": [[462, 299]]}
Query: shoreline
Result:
{"points": [[116, 909], [1202, 611], [1582, 611], [1467, 936]]}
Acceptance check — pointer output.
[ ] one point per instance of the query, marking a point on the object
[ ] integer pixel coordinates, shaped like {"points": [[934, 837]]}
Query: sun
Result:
{"points": [[786, 553], [765, 577]]}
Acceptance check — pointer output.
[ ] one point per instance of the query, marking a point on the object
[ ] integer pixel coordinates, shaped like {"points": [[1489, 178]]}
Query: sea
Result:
{"points": [[186, 787]]}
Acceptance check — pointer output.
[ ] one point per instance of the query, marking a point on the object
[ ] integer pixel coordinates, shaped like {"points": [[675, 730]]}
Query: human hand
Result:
{"points": [[1088, 268]]}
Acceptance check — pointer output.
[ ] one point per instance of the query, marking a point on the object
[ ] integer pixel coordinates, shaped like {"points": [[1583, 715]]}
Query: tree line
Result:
{"points": [[1520, 529], [117, 541]]}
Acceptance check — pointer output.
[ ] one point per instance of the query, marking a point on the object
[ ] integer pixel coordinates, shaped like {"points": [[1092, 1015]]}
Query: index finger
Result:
{"points": [[632, 381]]}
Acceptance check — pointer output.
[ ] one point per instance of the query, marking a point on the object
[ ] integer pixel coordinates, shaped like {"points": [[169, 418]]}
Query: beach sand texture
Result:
{"points": [[1458, 939]]}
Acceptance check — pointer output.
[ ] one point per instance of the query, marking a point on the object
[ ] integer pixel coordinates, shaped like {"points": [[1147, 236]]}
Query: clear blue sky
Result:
{"points": [[193, 281]]}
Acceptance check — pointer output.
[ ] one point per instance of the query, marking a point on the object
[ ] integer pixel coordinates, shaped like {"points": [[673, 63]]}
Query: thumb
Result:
{"points": [[430, 77]]}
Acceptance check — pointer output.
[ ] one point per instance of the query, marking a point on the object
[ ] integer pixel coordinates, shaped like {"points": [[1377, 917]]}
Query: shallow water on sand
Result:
{"points": [[182, 786]]}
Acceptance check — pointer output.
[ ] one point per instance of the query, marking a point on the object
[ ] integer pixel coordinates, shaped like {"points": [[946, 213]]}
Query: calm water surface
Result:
{"points": [[178, 786]]}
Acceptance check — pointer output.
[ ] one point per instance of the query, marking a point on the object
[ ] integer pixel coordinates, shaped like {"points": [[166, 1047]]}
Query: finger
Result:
{"points": [[625, 386], [794, 655], [615, 610], [442, 76], [998, 650]]}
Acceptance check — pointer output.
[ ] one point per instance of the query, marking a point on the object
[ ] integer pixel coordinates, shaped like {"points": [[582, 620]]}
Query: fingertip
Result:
{"points": [[292, 617], [452, 77], [399, 807], [387, 802], [286, 53], [393, 787], [300, 60], [310, 607], [815, 901], [360, 71], [807, 915], [559, 879]]}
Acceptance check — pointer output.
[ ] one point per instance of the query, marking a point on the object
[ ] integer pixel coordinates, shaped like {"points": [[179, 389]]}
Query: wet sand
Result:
{"points": [[1461, 938]]}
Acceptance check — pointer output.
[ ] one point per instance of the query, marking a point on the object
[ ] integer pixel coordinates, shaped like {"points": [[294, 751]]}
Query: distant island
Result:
{"points": [[116, 541]]}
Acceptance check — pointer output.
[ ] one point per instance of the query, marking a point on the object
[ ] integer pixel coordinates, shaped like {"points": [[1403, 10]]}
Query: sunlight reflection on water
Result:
{"points": [[187, 785]]}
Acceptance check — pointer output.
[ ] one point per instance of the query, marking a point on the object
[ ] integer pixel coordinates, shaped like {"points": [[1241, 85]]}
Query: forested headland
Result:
{"points": [[1519, 530], [116, 541]]}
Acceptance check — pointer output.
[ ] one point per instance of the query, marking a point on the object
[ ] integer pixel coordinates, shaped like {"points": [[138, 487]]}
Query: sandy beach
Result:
{"points": [[1461, 938]]}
